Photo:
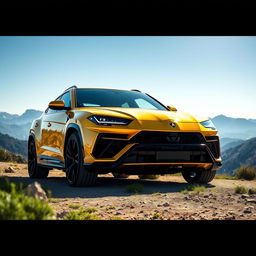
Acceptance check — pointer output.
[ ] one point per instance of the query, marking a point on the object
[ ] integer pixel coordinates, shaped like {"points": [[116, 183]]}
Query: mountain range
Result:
{"points": [[242, 154], [17, 126], [13, 145], [239, 128]]}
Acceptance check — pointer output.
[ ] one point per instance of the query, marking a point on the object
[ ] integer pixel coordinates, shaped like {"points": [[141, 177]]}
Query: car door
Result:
{"points": [[53, 128]]}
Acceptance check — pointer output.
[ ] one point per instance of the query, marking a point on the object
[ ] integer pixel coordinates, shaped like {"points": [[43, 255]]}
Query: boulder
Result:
{"points": [[35, 190]]}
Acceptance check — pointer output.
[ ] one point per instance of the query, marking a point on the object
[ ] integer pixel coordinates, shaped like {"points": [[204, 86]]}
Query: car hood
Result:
{"points": [[145, 114]]}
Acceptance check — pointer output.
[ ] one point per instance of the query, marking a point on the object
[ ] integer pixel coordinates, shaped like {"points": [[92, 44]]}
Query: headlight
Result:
{"points": [[208, 124], [109, 120]]}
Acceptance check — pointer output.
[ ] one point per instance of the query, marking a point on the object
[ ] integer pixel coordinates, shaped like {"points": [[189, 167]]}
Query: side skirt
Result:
{"points": [[50, 162]]}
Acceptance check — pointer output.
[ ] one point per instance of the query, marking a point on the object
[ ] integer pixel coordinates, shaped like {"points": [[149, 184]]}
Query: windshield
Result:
{"points": [[115, 98]]}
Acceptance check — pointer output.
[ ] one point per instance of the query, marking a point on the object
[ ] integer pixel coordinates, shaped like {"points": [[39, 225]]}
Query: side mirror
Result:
{"points": [[57, 105], [172, 108]]}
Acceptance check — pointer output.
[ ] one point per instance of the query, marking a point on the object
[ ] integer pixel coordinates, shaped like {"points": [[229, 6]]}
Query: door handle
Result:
{"points": [[49, 124]]}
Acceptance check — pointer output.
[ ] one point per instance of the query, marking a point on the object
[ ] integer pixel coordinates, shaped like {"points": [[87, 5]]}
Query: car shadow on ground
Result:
{"points": [[105, 186]]}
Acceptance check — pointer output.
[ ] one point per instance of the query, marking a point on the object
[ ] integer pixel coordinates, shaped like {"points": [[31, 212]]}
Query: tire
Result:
{"points": [[77, 175], [120, 175], [35, 171], [200, 176]]}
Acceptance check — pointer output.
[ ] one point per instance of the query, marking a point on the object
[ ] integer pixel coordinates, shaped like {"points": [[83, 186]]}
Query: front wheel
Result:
{"points": [[35, 171], [198, 176], [77, 175]]}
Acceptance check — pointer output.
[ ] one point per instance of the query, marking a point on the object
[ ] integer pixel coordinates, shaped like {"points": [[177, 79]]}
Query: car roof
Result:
{"points": [[101, 88]]}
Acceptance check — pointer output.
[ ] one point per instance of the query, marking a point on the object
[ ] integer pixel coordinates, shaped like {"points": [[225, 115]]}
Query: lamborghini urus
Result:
{"points": [[91, 131]]}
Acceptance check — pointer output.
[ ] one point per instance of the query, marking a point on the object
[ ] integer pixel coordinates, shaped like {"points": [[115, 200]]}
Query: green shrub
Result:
{"points": [[246, 172], [240, 190], [157, 215], [225, 177], [134, 188], [7, 186], [15, 205], [81, 214], [156, 194], [251, 191], [195, 188], [7, 156], [74, 206], [149, 176], [116, 218]]}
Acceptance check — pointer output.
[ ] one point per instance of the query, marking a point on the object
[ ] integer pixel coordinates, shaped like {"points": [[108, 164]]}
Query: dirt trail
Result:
{"points": [[161, 198]]}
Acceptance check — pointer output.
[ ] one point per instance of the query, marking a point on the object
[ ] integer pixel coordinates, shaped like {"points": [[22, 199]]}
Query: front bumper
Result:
{"points": [[160, 158]]}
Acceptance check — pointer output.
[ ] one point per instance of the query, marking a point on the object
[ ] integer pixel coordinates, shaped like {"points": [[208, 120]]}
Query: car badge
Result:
{"points": [[172, 124]]}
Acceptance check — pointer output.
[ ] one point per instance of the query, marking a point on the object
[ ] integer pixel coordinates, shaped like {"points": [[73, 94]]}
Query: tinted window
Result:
{"points": [[115, 98]]}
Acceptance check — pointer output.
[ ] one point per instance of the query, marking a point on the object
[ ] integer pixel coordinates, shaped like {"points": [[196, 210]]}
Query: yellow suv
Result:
{"points": [[90, 131]]}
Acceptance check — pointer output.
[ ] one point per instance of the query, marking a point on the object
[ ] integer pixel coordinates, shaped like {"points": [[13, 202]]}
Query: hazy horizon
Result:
{"points": [[22, 112], [202, 75]]}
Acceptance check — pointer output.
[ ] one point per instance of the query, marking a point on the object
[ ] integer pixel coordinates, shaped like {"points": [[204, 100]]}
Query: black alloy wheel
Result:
{"points": [[35, 171], [199, 176], [77, 175]]}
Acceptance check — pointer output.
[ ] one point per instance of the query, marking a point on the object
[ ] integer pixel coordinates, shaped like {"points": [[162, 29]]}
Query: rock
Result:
{"points": [[243, 196], [206, 196], [247, 210], [166, 204], [9, 170], [118, 213], [250, 200], [35, 190]]}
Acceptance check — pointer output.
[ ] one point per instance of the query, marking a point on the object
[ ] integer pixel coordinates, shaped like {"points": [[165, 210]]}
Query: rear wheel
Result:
{"points": [[35, 171], [77, 175], [198, 176]]}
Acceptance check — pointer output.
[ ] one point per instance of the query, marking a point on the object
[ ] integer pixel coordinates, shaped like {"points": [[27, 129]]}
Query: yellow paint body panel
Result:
{"points": [[50, 129]]}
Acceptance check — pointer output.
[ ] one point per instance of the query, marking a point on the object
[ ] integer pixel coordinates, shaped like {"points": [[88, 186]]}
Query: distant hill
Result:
{"points": [[226, 143], [13, 145], [239, 128], [18, 126], [232, 145], [7, 156], [234, 157]]}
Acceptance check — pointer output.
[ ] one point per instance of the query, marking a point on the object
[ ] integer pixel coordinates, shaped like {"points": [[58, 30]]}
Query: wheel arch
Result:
{"points": [[70, 130], [31, 136]]}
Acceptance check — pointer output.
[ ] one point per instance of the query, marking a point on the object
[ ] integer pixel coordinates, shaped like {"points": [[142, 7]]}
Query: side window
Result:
{"points": [[125, 105], [144, 104], [66, 98]]}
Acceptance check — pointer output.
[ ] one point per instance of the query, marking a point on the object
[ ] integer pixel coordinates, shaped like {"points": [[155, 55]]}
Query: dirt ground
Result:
{"points": [[161, 199]]}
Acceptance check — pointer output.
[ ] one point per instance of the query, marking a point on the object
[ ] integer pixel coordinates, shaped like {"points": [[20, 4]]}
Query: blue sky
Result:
{"points": [[201, 75]]}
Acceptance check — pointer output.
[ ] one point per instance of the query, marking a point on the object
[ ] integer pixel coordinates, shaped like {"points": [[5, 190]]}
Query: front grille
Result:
{"points": [[168, 137], [109, 144]]}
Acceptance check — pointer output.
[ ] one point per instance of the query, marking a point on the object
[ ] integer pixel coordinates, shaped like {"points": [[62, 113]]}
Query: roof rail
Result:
{"points": [[71, 87], [135, 90]]}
